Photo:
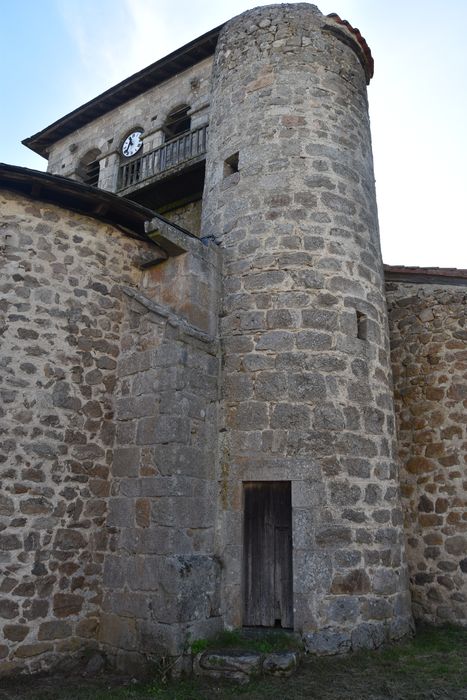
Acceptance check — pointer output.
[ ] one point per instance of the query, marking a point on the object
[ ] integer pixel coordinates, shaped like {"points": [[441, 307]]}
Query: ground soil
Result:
{"points": [[433, 666]]}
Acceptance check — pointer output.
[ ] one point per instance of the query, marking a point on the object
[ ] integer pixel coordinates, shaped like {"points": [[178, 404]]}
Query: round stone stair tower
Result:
{"points": [[310, 530]]}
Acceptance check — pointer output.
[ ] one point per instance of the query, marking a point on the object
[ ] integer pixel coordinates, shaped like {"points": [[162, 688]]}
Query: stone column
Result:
{"points": [[289, 195]]}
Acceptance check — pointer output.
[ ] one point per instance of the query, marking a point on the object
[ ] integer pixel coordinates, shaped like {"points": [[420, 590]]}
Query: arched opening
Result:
{"points": [[90, 167], [177, 122]]}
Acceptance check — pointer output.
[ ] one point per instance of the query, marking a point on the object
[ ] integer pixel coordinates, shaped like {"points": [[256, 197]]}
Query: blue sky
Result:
{"points": [[56, 54]]}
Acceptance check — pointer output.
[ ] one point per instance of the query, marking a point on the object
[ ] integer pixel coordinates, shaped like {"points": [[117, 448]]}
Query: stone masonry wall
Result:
{"points": [[162, 575], [61, 319], [307, 396], [429, 358], [187, 216]]}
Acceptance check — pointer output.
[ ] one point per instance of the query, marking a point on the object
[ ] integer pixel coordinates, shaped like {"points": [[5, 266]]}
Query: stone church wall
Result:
{"points": [[429, 358], [109, 388], [62, 315]]}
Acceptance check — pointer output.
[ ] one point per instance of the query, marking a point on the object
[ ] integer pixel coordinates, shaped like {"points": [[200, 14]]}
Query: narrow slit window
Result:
{"points": [[362, 326], [231, 165]]}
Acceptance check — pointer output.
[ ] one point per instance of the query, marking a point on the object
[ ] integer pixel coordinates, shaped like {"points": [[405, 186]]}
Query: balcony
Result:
{"points": [[177, 152]]}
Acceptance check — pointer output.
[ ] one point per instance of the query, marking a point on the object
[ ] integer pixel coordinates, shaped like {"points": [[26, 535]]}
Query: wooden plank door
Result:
{"points": [[267, 561]]}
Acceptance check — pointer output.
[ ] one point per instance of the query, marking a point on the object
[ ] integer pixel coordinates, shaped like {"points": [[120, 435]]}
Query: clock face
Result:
{"points": [[132, 144]]}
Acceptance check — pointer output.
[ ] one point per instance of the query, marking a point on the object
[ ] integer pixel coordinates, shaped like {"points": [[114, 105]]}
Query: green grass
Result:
{"points": [[238, 640], [431, 665]]}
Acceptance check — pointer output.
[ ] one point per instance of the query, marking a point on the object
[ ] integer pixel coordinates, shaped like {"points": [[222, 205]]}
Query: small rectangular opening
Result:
{"points": [[362, 326], [231, 165]]}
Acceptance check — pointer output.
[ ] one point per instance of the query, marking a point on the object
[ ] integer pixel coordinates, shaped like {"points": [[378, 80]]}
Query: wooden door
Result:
{"points": [[267, 559]]}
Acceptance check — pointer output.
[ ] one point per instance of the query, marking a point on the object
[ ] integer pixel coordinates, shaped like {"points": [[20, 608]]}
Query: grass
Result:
{"points": [[239, 640], [432, 665]]}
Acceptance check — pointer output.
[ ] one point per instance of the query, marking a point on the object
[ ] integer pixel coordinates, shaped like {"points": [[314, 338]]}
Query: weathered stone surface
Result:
{"points": [[66, 604], [354, 582], [7, 506], [9, 542], [369, 636], [15, 633], [88, 627], [69, 540], [96, 664], [118, 632], [281, 664], [456, 545], [327, 642], [55, 629], [26, 651], [246, 662], [426, 324], [8, 608]]}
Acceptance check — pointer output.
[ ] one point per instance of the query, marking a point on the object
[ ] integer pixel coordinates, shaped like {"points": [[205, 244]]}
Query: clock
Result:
{"points": [[132, 143]]}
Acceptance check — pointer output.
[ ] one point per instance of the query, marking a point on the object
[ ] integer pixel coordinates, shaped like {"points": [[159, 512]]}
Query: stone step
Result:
{"points": [[241, 666]]}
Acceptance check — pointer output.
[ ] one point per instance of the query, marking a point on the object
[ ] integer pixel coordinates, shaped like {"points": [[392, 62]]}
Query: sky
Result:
{"points": [[57, 54]]}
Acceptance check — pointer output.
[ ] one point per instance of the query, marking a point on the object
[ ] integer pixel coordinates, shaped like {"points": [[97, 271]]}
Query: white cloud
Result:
{"points": [[113, 40]]}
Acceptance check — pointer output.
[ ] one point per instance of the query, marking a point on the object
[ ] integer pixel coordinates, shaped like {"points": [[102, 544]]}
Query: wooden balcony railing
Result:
{"points": [[175, 152]]}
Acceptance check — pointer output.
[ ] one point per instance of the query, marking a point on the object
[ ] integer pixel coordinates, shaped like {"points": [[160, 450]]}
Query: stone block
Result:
{"points": [[9, 542], [313, 340], [319, 318], [327, 642], [340, 610], [385, 582], [354, 582], [8, 609], [307, 386], [39, 608], [344, 493], [126, 461], [268, 386], [26, 651], [368, 636], [118, 632], [163, 429], [67, 604], [88, 628], [239, 666], [376, 609], [249, 415], [333, 535], [7, 506], [327, 417], [312, 573], [96, 664], [281, 664], [456, 545], [15, 633], [121, 512], [290, 416], [55, 629], [142, 512], [69, 540]]}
